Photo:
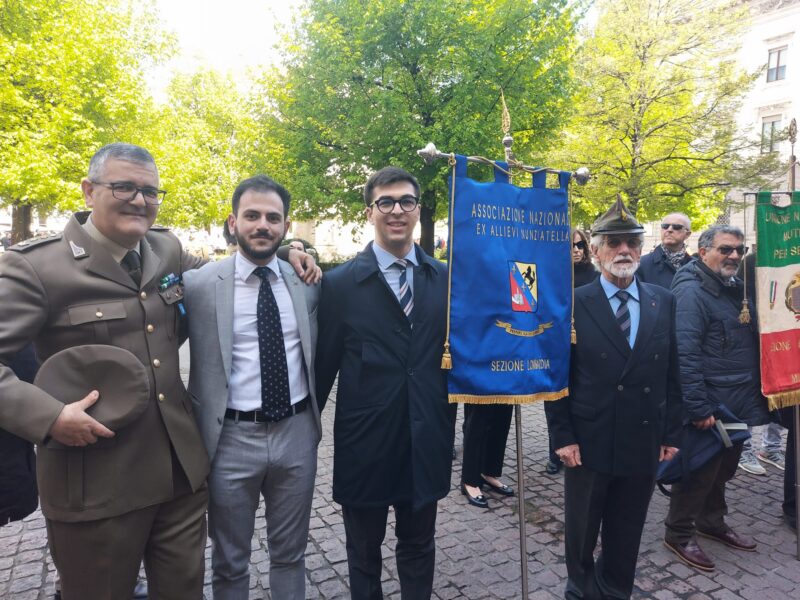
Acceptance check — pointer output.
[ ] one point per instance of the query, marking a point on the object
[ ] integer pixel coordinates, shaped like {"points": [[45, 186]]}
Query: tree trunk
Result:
{"points": [[427, 210], [20, 222]]}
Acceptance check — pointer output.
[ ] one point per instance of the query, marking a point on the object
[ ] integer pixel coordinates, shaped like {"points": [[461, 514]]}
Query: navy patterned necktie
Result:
{"points": [[623, 314], [275, 399], [404, 294], [133, 264]]}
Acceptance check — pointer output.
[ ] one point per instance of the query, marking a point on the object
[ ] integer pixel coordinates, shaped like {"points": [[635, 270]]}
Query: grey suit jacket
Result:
{"points": [[209, 305]]}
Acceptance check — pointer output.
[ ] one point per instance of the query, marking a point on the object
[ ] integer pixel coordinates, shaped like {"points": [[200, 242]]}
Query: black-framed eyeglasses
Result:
{"points": [[675, 226], [615, 242], [126, 191], [581, 245], [741, 250], [385, 204]]}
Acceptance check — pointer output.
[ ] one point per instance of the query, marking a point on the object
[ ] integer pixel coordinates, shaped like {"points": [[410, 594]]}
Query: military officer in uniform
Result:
{"points": [[110, 497]]}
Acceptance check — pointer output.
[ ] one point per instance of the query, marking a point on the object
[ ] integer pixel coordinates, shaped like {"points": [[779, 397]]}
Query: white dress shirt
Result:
{"points": [[245, 383]]}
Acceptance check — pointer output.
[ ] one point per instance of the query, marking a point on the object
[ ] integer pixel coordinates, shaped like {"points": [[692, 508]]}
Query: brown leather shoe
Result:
{"points": [[732, 539], [691, 554]]}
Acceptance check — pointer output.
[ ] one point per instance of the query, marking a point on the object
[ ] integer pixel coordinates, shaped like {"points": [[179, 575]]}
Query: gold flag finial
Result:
{"points": [[506, 124]]}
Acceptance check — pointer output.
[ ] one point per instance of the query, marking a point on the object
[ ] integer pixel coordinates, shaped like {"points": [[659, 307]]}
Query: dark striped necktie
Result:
{"points": [[133, 264], [623, 315], [404, 294], [275, 398]]}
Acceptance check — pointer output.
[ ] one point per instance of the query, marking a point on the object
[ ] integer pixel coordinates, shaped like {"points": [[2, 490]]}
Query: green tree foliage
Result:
{"points": [[655, 118], [368, 82], [72, 81], [201, 144]]}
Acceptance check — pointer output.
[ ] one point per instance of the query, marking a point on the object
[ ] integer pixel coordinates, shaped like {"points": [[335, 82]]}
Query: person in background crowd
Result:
{"points": [[719, 365], [659, 266], [771, 451], [485, 436], [584, 273], [19, 495], [382, 322], [581, 260], [622, 415]]}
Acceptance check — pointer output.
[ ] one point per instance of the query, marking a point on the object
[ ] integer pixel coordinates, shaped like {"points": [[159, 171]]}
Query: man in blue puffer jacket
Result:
{"points": [[719, 365]]}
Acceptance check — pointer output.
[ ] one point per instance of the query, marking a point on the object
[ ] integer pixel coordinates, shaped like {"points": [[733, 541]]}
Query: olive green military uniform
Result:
{"points": [[141, 493]]}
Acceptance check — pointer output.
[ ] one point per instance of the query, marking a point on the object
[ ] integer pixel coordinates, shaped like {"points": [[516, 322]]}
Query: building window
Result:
{"points": [[770, 130], [776, 68]]}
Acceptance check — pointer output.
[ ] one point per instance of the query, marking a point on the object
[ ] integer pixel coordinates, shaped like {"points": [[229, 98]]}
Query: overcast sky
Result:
{"points": [[228, 35]]}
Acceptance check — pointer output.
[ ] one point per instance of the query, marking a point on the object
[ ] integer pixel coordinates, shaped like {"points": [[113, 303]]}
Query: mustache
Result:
{"points": [[262, 235]]}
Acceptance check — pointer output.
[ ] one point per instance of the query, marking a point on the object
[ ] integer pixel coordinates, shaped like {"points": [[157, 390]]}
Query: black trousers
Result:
{"points": [[365, 529], [619, 505], [789, 495], [485, 437], [699, 502]]}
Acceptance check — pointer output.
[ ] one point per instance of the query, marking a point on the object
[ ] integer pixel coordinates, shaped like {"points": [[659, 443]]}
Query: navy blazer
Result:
{"points": [[393, 428], [656, 269], [624, 403]]}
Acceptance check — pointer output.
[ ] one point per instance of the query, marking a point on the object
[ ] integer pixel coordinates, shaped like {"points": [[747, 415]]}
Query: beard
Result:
{"points": [[729, 268], [258, 253], [620, 268]]}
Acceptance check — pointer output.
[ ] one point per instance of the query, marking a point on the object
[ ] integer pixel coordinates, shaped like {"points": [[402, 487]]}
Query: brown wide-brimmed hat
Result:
{"points": [[117, 374]]}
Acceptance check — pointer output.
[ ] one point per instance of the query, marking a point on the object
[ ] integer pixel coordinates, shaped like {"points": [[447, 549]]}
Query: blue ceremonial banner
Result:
{"points": [[510, 311]]}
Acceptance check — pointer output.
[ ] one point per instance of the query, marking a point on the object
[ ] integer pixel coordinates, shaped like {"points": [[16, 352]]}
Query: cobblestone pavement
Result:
{"points": [[478, 550]]}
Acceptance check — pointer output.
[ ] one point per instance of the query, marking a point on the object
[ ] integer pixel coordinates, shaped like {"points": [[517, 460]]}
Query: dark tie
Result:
{"points": [[133, 264], [275, 399], [404, 295], [624, 314]]}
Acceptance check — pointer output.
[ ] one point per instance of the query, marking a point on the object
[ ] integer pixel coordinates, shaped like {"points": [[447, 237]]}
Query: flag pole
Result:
{"points": [[508, 141]]}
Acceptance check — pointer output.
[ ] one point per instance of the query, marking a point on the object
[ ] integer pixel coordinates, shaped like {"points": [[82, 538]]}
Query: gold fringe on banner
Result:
{"points": [[783, 399], [507, 399]]}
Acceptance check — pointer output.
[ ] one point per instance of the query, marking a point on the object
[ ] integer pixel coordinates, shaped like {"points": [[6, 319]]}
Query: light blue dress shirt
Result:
{"points": [[392, 274], [633, 303]]}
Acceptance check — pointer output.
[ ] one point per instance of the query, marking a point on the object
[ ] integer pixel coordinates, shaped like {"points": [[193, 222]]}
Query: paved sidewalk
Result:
{"points": [[478, 550]]}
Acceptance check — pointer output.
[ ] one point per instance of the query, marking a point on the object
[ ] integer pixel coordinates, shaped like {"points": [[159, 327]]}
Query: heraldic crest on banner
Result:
{"points": [[510, 288]]}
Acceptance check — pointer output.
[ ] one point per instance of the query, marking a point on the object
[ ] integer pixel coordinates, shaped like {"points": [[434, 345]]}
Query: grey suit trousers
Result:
{"points": [[279, 462]]}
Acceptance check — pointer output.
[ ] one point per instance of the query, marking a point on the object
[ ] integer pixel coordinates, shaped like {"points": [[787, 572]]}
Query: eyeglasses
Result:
{"points": [[728, 250], [581, 245], [633, 243], [126, 191], [675, 226], [385, 204]]}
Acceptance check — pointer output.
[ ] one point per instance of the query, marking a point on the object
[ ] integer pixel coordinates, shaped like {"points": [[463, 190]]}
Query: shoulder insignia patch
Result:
{"points": [[30, 243]]}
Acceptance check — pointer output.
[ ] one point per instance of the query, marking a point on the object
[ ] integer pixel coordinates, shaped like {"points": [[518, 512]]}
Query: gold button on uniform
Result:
{"points": [[150, 328], [161, 397], [156, 363], [143, 295], [99, 314]]}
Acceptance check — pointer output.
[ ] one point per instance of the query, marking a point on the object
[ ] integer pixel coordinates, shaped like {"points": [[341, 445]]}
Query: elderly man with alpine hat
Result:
{"points": [[622, 415]]}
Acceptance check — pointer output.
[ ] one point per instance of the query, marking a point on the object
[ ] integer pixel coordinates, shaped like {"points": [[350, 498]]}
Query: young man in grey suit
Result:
{"points": [[252, 331]]}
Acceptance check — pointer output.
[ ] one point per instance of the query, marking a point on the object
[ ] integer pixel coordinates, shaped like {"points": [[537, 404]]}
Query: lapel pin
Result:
{"points": [[77, 251]]}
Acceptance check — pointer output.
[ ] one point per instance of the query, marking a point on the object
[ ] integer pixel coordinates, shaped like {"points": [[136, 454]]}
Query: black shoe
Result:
{"points": [[503, 490], [57, 595], [791, 520], [552, 468], [479, 501]]}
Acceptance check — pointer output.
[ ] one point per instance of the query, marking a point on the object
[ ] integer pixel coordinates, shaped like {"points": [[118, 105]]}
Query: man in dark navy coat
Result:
{"points": [[660, 266], [622, 415], [381, 327]]}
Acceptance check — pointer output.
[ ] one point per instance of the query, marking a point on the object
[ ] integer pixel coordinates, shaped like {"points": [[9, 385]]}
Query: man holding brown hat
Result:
{"points": [[121, 465], [622, 415]]}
